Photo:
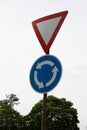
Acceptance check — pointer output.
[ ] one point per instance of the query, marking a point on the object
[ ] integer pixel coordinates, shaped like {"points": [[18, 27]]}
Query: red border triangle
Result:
{"points": [[41, 40]]}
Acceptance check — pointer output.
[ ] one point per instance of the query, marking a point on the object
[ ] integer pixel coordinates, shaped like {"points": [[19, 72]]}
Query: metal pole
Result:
{"points": [[43, 123], [43, 126]]}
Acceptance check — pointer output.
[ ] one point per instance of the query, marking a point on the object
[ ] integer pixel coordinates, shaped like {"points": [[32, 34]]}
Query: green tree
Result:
{"points": [[10, 119], [12, 99], [60, 115]]}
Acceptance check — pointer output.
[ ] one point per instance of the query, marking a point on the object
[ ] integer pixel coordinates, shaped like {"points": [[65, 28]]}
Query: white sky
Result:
{"points": [[19, 49]]}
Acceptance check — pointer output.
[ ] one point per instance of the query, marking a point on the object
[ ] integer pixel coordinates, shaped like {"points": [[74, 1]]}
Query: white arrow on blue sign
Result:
{"points": [[45, 73]]}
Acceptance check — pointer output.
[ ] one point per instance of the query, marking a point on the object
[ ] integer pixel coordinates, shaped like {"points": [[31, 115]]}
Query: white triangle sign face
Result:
{"points": [[46, 28]]}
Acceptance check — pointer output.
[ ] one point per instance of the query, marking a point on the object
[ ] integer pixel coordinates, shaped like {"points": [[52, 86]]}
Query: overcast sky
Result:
{"points": [[19, 49]]}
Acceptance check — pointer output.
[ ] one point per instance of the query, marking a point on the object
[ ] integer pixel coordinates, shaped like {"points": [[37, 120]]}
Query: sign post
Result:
{"points": [[43, 123], [47, 70]]}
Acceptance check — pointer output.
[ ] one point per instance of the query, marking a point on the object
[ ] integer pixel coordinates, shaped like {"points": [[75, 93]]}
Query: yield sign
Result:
{"points": [[46, 28]]}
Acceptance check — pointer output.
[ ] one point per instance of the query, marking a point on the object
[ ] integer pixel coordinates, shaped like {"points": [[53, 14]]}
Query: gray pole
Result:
{"points": [[43, 123]]}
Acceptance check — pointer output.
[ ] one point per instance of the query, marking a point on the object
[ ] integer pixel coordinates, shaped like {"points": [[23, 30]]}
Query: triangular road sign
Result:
{"points": [[46, 28]]}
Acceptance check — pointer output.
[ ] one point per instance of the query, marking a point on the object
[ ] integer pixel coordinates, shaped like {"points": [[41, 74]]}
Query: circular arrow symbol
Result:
{"points": [[39, 84], [45, 73], [39, 65], [54, 71]]}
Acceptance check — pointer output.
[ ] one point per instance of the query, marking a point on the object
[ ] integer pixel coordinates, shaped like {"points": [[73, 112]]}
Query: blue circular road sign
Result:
{"points": [[45, 73]]}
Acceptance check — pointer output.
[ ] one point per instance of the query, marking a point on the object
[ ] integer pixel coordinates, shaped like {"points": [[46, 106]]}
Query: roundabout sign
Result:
{"points": [[47, 70], [45, 73]]}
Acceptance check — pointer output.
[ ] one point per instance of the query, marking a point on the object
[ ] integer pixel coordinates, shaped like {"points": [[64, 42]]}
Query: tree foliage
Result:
{"points": [[12, 99], [60, 115], [9, 118]]}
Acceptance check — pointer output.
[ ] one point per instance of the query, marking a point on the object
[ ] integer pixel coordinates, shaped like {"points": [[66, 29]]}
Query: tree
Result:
{"points": [[12, 99], [10, 119], [60, 115]]}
